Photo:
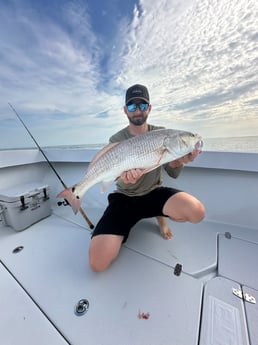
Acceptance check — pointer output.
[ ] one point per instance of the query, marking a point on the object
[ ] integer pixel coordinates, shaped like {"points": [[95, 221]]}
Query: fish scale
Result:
{"points": [[135, 150]]}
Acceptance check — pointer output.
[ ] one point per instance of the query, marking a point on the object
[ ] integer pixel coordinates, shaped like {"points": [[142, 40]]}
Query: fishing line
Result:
{"points": [[50, 164]]}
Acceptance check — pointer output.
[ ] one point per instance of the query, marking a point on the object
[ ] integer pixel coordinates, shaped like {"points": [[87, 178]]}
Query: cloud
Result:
{"points": [[198, 59], [193, 54], [43, 60]]}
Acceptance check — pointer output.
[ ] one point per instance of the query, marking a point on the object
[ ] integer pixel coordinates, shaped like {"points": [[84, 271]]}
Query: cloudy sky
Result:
{"points": [[65, 66]]}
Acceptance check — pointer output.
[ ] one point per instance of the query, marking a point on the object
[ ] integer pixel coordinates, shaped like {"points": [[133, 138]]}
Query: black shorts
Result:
{"points": [[123, 211]]}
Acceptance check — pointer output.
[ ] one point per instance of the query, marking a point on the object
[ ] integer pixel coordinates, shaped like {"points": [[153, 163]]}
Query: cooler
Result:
{"points": [[24, 205]]}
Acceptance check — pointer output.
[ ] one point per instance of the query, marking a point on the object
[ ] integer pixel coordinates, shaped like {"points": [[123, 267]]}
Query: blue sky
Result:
{"points": [[65, 66]]}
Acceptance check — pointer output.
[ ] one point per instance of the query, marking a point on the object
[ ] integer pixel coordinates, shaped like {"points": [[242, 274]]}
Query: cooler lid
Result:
{"points": [[26, 190]]}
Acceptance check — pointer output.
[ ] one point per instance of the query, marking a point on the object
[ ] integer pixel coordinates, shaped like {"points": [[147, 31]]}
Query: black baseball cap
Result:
{"points": [[137, 91]]}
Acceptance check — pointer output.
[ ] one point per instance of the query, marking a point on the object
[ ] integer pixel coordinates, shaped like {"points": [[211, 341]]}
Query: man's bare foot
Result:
{"points": [[164, 229]]}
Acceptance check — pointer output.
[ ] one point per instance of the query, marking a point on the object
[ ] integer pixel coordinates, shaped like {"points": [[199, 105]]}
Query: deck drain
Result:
{"points": [[81, 307], [18, 249]]}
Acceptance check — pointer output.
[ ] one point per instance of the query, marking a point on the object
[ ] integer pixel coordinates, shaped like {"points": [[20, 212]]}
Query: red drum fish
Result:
{"points": [[146, 151]]}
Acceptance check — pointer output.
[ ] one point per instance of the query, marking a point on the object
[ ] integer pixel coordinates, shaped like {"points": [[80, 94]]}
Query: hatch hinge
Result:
{"points": [[46, 197], [243, 295]]}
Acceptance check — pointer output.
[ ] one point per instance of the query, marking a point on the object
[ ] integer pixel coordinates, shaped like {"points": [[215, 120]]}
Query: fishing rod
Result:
{"points": [[50, 164]]}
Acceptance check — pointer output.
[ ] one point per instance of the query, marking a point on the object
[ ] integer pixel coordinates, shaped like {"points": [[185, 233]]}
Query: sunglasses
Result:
{"points": [[141, 106]]}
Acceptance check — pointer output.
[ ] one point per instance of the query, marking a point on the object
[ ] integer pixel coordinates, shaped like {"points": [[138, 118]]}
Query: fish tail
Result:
{"points": [[70, 195]]}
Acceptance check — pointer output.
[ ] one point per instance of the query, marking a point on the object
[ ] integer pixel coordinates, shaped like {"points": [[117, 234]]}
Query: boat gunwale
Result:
{"points": [[242, 161]]}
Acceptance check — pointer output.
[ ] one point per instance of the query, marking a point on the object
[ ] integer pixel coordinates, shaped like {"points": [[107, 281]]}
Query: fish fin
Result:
{"points": [[102, 152], [105, 185], [70, 195]]}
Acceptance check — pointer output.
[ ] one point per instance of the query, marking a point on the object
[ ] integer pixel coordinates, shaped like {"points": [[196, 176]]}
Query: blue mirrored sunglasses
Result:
{"points": [[142, 106]]}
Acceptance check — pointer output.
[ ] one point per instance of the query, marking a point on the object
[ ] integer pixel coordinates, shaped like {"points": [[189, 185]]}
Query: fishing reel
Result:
{"points": [[63, 203]]}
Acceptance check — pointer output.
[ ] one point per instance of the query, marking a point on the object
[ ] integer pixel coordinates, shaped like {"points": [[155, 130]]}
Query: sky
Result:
{"points": [[65, 67]]}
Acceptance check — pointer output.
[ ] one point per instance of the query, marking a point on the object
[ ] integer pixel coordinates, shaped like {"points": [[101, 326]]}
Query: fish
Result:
{"points": [[146, 151]]}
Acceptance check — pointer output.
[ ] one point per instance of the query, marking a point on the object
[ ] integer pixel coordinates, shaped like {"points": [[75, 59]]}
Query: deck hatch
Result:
{"points": [[237, 260]]}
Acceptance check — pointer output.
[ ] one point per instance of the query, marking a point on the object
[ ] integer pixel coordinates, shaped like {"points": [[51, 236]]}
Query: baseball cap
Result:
{"points": [[137, 91]]}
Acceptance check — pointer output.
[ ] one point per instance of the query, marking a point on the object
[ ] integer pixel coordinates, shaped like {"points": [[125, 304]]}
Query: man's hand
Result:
{"points": [[131, 176], [185, 159]]}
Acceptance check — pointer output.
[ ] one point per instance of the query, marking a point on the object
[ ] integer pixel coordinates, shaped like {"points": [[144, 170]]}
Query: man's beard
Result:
{"points": [[138, 120]]}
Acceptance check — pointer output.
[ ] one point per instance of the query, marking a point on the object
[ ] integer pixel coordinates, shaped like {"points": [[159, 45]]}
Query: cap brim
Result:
{"points": [[132, 98]]}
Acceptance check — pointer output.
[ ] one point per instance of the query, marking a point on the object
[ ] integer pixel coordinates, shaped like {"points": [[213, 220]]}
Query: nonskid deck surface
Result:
{"points": [[53, 269]]}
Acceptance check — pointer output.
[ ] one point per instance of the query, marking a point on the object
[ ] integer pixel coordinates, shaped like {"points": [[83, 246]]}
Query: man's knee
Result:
{"points": [[96, 265], [183, 207], [103, 251], [198, 213]]}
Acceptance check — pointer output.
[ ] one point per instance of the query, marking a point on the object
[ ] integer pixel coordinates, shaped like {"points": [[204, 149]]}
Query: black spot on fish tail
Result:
{"points": [[77, 197], [73, 189]]}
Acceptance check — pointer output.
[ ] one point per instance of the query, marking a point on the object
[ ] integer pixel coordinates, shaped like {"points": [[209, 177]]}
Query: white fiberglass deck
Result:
{"points": [[53, 269], [41, 284]]}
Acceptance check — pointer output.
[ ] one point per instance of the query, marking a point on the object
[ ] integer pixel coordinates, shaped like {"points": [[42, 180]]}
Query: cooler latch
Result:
{"points": [[46, 197], [23, 205]]}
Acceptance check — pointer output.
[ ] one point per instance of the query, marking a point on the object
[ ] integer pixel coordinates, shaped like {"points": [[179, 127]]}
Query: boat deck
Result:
{"points": [[142, 298], [50, 275]]}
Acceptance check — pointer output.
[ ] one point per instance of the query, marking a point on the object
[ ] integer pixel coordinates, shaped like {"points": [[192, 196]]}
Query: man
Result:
{"points": [[140, 195]]}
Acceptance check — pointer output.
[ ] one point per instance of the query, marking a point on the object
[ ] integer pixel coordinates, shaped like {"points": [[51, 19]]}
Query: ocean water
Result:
{"points": [[230, 144]]}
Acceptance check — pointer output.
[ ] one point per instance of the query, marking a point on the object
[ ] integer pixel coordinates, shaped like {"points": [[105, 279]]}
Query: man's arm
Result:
{"points": [[175, 167], [173, 172]]}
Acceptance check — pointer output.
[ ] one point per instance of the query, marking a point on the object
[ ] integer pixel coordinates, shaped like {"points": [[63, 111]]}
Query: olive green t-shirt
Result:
{"points": [[148, 181]]}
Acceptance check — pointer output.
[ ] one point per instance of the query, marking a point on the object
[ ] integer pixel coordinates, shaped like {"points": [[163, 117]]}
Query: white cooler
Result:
{"points": [[24, 205]]}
